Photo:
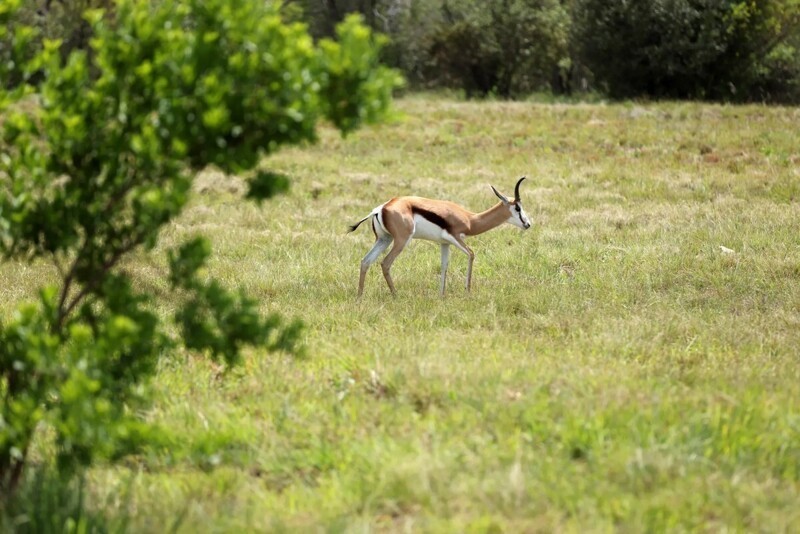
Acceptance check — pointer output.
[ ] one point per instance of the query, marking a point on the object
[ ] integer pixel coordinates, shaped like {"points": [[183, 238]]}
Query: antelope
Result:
{"points": [[402, 219]]}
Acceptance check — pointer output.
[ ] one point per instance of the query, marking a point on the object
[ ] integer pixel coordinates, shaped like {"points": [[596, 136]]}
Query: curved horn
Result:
{"points": [[499, 195], [516, 189]]}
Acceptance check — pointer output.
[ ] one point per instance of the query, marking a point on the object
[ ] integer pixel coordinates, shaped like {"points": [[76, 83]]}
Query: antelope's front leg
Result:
{"points": [[445, 263], [469, 268], [462, 246]]}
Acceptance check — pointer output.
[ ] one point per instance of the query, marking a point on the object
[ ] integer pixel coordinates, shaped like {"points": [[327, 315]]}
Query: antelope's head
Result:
{"points": [[517, 215]]}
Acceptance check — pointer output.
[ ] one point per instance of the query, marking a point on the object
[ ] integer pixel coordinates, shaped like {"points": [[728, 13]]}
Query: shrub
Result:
{"points": [[708, 49], [104, 158], [508, 47]]}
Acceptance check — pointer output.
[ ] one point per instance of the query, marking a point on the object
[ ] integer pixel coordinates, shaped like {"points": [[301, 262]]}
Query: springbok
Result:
{"points": [[405, 218]]}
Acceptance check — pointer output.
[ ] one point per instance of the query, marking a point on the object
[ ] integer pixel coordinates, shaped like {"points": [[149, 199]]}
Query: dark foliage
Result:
{"points": [[705, 49]]}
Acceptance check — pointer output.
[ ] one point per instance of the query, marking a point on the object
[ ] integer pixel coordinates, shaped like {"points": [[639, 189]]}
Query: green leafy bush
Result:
{"points": [[103, 158]]}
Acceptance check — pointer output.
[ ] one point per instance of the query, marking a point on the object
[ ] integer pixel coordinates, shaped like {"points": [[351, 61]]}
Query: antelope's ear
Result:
{"points": [[503, 199]]}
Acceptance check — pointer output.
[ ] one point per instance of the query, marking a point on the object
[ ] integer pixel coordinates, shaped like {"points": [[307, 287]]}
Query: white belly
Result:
{"points": [[424, 229]]}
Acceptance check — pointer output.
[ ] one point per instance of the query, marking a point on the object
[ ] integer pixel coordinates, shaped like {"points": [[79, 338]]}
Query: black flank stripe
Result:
{"points": [[436, 219]]}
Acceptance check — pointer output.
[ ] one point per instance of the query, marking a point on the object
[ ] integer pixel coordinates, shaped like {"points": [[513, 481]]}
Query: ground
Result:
{"points": [[630, 363]]}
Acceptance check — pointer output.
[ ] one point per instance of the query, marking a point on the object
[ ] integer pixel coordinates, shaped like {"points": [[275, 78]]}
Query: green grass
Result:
{"points": [[613, 368]]}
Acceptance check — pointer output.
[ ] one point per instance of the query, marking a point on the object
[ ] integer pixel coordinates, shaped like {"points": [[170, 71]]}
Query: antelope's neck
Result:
{"points": [[486, 220]]}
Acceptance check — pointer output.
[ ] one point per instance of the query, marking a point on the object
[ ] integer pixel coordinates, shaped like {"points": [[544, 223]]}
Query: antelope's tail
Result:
{"points": [[356, 225]]}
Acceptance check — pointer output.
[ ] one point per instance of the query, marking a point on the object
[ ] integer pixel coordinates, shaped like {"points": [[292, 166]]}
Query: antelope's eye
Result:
{"points": [[518, 209]]}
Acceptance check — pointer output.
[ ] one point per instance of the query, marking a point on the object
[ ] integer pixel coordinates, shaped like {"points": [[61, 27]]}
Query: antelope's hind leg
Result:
{"points": [[387, 262], [380, 245]]}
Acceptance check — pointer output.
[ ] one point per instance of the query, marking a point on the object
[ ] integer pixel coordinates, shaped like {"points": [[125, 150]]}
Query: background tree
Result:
{"points": [[711, 49], [708, 49], [103, 157], [508, 47]]}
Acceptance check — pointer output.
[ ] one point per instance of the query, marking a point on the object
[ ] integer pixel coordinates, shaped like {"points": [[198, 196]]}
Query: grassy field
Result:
{"points": [[630, 363]]}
